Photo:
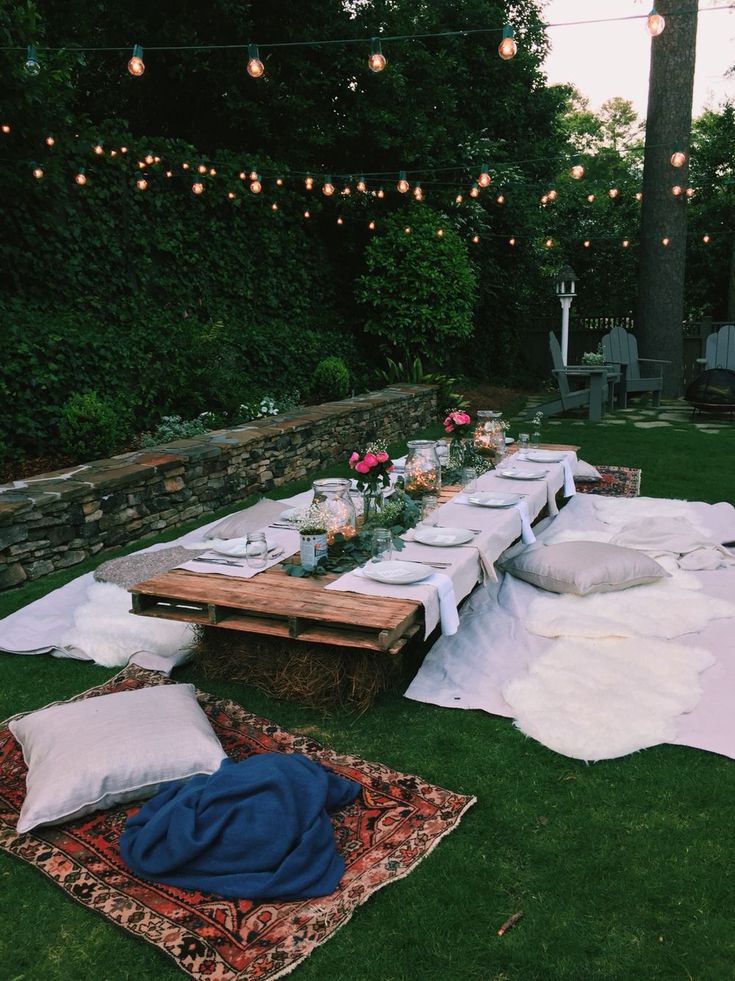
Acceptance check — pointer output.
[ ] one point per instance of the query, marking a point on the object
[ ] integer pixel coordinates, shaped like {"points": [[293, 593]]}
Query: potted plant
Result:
{"points": [[312, 525]]}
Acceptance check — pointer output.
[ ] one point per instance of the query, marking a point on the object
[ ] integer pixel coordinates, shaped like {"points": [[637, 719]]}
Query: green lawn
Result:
{"points": [[623, 869]]}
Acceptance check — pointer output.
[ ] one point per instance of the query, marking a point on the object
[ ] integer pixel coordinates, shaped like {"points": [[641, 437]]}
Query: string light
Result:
{"points": [[157, 160], [346, 191], [613, 192], [169, 173], [586, 243], [418, 193], [201, 168], [677, 190], [552, 195], [255, 186], [371, 226], [511, 241], [361, 185], [690, 192], [31, 65], [665, 241], [80, 177], [279, 181], [136, 65], [380, 193], [458, 199], [185, 165], [6, 129], [474, 191], [678, 158], [549, 243], [500, 199], [544, 199], [307, 214], [655, 23], [149, 158], [590, 198], [402, 186], [483, 178], [475, 239], [123, 149], [254, 176], [212, 170], [197, 187], [507, 48], [626, 243], [256, 68], [141, 183], [328, 186], [98, 149], [309, 182], [706, 239], [376, 61], [113, 153], [440, 232], [407, 229], [577, 172], [38, 172], [639, 195], [231, 195], [274, 206], [340, 221]]}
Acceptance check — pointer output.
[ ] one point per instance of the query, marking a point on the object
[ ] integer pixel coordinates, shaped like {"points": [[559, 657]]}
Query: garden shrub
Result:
{"points": [[331, 380], [91, 427]]}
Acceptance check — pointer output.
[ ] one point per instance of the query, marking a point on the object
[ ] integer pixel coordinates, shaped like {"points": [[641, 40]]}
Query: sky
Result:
{"points": [[605, 60]]}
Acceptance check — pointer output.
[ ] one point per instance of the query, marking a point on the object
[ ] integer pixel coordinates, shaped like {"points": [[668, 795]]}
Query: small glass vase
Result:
{"points": [[535, 440], [372, 505]]}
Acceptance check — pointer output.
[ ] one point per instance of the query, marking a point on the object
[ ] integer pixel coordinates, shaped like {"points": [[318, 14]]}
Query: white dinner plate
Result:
{"points": [[509, 440], [443, 537], [489, 499], [236, 547], [545, 456], [397, 573], [522, 474]]}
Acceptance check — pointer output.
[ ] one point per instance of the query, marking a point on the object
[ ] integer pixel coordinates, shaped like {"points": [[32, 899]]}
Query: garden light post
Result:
{"points": [[565, 285]]}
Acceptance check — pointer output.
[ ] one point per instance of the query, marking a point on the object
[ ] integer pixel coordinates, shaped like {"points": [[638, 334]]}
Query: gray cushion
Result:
{"points": [[583, 567]]}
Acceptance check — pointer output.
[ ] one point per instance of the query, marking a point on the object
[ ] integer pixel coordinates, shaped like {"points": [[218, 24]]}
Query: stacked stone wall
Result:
{"points": [[57, 520]]}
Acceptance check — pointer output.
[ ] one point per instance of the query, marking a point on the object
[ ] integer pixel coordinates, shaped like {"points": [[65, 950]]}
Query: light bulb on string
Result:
{"points": [[678, 158], [256, 68], [31, 65], [80, 177], [613, 192], [586, 243], [136, 65], [474, 191], [346, 191], [626, 243], [376, 61], [98, 149], [483, 178], [243, 176], [328, 186], [274, 206], [255, 186], [371, 226], [475, 239], [307, 214], [361, 185], [380, 193], [552, 195], [549, 243], [665, 241], [655, 23], [500, 199], [677, 190], [141, 165], [407, 229], [212, 171], [279, 181], [402, 186], [340, 221], [639, 195], [309, 182], [458, 199], [141, 183], [149, 158], [690, 192], [440, 232], [6, 129], [706, 239], [590, 198], [511, 241], [197, 187], [113, 153], [254, 176], [185, 166], [418, 193], [231, 195], [507, 48], [544, 199], [201, 168], [577, 172], [37, 172], [49, 139], [123, 149], [169, 173]]}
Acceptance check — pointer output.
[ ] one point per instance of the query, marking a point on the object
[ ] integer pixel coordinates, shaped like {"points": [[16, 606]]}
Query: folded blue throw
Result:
{"points": [[257, 829]]}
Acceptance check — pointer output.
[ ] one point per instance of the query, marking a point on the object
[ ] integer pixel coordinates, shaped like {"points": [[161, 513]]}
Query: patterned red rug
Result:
{"points": [[614, 482], [394, 823]]}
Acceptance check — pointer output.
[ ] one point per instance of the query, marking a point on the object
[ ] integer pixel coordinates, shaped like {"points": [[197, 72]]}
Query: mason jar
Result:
{"points": [[333, 494], [489, 436], [423, 473]]}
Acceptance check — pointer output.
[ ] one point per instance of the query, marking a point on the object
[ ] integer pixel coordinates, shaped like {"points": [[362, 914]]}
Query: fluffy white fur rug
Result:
{"points": [[600, 699], [107, 634]]}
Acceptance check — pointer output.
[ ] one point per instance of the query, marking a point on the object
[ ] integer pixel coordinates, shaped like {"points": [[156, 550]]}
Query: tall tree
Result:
{"points": [[664, 215]]}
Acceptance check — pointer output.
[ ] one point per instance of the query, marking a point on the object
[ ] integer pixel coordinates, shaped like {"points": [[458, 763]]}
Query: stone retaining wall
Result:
{"points": [[58, 519]]}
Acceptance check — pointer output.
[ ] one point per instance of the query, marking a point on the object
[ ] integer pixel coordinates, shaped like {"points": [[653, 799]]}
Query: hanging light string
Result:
{"points": [[383, 38]]}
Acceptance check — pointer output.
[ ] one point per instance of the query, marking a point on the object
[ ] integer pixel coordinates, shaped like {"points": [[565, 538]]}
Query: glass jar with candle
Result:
{"points": [[422, 474], [489, 435], [333, 494]]}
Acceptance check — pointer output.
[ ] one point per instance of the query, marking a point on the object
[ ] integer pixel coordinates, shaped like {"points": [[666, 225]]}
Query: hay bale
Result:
{"points": [[318, 675]]}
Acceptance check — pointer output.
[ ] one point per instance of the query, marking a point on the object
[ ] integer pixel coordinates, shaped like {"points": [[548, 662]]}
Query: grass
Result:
{"points": [[623, 869]]}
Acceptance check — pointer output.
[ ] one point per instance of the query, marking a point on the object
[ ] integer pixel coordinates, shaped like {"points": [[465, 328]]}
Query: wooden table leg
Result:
{"points": [[597, 378]]}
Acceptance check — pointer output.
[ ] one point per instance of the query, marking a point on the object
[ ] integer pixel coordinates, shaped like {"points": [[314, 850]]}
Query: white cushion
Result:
{"points": [[583, 567], [586, 472], [111, 749]]}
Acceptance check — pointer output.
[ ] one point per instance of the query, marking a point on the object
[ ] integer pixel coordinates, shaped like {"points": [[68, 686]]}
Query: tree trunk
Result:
{"points": [[663, 215]]}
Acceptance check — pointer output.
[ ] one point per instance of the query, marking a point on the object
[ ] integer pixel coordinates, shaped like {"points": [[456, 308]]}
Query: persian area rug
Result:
{"points": [[613, 482], [392, 825]]}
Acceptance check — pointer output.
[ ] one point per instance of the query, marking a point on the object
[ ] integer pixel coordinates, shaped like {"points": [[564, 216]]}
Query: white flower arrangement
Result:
{"points": [[312, 520]]}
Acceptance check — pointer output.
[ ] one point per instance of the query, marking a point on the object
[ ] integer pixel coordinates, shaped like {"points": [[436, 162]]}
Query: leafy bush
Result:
{"points": [[174, 427], [414, 373], [331, 380], [419, 290], [91, 427]]}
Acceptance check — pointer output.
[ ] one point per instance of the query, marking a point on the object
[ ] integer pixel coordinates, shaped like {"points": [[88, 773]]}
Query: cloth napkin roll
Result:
{"points": [[448, 615], [527, 535], [569, 489]]}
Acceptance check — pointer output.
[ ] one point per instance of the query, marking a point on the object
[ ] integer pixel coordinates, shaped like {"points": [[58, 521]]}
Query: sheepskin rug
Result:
{"points": [[107, 633], [601, 699]]}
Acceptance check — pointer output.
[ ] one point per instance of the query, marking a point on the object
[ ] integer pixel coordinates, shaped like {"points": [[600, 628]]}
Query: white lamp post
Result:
{"points": [[565, 285]]}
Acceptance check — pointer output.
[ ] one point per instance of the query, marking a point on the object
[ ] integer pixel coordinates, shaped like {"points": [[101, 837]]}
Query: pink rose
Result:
{"points": [[381, 457], [448, 429], [353, 460], [362, 467], [461, 418], [370, 459]]}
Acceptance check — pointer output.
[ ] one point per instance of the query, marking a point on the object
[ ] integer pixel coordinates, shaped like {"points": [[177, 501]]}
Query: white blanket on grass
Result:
{"points": [[583, 675]]}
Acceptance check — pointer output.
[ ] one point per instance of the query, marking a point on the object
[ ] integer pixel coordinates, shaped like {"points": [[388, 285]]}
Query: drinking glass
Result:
{"points": [[469, 479], [523, 443], [256, 550], [381, 545]]}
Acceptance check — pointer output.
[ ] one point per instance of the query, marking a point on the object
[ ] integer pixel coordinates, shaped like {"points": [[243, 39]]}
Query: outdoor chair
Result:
{"points": [[719, 351], [592, 396], [620, 347]]}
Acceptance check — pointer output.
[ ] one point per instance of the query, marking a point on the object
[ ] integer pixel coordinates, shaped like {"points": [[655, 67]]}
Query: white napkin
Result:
{"points": [[569, 489], [527, 535], [236, 565], [447, 602]]}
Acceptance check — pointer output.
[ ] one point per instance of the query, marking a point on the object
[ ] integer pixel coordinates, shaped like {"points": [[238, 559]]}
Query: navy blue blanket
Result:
{"points": [[257, 829]]}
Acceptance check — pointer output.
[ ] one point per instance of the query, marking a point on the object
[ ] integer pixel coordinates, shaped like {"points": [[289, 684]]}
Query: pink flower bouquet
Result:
{"points": [[457, 423], [372, 466]]}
